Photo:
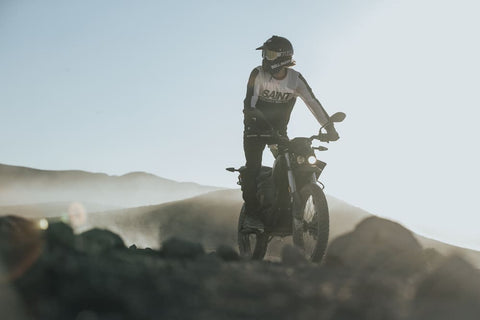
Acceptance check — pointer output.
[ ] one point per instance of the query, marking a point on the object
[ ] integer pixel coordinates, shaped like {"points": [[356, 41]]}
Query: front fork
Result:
{"points": [[297, 210]]}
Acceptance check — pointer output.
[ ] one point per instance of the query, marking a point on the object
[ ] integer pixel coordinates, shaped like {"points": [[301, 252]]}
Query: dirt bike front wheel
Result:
{"points": [[311, 235], [251, 245]]}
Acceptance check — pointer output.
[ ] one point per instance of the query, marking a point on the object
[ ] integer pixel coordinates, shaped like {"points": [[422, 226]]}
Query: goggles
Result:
{"points": [[272, 55]]}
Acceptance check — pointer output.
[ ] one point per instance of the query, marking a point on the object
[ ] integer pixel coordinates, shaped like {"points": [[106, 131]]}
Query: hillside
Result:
{"points": [[20, 186]]}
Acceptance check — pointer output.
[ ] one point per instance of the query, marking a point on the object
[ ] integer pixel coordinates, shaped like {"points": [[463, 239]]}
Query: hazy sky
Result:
{"points": [[118, 86]]}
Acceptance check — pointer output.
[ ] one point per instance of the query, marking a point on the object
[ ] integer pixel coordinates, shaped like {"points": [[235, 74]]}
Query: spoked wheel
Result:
{"points": [[251, 245], [311, 235]]}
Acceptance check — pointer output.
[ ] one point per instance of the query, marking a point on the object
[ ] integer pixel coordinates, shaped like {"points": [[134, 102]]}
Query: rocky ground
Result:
{"points": [[377, 271]]}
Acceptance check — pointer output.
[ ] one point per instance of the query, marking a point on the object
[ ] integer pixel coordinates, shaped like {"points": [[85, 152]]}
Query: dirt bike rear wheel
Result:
{"points": [[312, 236], [251, 245]]}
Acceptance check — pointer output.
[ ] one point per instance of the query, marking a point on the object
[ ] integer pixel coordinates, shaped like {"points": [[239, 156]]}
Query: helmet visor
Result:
{"points": [[272, 55]]}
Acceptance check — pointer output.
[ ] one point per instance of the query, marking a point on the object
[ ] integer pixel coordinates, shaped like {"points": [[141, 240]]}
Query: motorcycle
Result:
{"points": [[292, 200]]}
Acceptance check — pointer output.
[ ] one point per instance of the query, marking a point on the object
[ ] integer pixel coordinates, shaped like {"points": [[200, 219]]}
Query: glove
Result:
{"points": [[247, 118], [332, 134]]}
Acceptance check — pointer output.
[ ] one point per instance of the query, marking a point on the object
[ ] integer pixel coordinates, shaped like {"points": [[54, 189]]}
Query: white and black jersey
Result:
{"points": [[276, 98]]}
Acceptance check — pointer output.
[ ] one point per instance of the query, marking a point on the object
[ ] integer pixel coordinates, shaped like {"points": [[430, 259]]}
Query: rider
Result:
{"points": [[273, 88]]}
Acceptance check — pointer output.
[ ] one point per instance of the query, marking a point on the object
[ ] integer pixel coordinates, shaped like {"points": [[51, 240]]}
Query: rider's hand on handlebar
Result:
{"points": [[332, 134]]}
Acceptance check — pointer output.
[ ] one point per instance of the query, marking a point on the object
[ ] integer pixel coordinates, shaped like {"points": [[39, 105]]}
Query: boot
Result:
{"points": [[253, 222]]}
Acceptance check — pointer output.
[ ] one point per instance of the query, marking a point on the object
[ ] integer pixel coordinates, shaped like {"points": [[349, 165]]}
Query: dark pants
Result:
{"points": [[253, 148]]}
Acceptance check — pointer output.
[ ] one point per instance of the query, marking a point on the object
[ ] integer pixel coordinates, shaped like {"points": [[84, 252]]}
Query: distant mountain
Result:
{"points": [[211, 219], [21, 185]]}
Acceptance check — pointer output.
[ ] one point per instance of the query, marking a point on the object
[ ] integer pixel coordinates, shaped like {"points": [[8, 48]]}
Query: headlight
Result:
{"points": [[312, 160], [300, 159]]}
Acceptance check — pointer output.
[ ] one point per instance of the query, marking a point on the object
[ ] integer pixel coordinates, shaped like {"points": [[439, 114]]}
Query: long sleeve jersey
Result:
{"points": [[276, 98]]}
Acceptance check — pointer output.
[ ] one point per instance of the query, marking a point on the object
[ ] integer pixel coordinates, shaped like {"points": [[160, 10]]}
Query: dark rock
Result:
{"points": [[227, 253], [60, 234], [181, 249], [87, 315], [377, 244], [97, 241]]}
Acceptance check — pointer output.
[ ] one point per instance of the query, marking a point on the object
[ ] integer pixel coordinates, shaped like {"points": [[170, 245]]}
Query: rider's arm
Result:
{"points": [[305, 92], [251, 98]]}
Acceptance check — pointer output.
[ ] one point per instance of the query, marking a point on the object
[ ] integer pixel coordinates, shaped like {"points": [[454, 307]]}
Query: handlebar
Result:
{"points": [[323, 137]]}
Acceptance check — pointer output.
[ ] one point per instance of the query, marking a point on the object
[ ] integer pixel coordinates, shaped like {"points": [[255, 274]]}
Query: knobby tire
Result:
{"points": [[313, 200]]}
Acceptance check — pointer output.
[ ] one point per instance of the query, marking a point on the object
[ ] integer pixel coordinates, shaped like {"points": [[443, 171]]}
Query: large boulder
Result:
{"points": [[97, 241], [60, 234], [377, 244]]}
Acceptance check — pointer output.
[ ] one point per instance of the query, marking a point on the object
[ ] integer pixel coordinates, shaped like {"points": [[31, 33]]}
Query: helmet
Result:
{"points": [[277, 53]]}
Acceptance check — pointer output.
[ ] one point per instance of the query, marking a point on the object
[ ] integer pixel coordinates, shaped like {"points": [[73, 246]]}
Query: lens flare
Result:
{"points": [[312, 160], [22, 245], [77, 215], [43, 224]]}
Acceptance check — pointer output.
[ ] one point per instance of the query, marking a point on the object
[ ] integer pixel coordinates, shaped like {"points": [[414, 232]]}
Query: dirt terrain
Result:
{"points": [[377, 271]]}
